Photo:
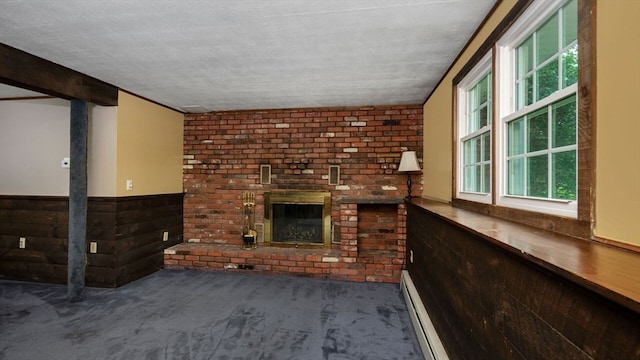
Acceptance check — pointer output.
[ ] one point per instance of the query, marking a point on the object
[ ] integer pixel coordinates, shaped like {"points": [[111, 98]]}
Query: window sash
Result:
{"points": [[476, 164], [474, 129], [547, 193], [543, 58]]}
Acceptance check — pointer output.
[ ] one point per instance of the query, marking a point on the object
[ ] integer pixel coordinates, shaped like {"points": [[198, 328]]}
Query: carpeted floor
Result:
{"points": [[208, 315]]}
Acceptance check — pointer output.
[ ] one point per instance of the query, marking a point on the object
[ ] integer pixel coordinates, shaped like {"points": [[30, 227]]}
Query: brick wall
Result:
{"points": [[377, 227], [223, 152]]}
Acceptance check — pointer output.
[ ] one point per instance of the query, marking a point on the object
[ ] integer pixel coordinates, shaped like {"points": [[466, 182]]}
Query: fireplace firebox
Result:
{"points": [[297, 218]]}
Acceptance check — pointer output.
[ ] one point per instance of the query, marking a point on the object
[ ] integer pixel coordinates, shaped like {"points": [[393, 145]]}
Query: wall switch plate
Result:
{"points": [[165, 236], [23, 243], [65, 163], [129, 184], [93, 247]]}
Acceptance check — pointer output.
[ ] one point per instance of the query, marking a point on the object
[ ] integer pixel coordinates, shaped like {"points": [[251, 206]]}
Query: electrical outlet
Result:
{"points": [[23, 243], [93, 247], [165, 236]]}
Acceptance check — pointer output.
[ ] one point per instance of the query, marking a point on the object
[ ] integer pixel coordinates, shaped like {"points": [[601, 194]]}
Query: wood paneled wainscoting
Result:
{"points": [[128, 232], [500, 290]]}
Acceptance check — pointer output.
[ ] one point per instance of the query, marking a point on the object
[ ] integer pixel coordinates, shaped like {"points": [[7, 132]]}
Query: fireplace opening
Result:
{"points": [[297, 223], [297, 218]]}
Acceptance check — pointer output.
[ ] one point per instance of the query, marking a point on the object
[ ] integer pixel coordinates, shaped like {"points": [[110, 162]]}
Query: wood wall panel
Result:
{"points": [[486, 302], [128, 232]]}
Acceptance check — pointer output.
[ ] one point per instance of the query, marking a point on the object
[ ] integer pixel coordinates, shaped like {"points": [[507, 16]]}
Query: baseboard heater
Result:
{"points": [[430, 343]]}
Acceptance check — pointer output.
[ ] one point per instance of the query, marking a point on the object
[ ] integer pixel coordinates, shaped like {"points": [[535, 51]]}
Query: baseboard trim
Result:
{"points": [[429, 340]]}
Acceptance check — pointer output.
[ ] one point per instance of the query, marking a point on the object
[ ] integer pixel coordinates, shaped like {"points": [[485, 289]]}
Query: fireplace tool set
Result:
{"points": [[249, 234]]}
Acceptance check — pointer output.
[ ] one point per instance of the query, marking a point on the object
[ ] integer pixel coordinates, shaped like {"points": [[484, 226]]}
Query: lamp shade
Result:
{"points": [[409, 162]]}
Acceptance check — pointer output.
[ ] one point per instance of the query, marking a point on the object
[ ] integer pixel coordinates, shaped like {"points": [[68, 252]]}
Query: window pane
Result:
{"points": [[483, 117], [524, 64], [473, 111], [547, 40], [547, 79], [538, 135], [486, 178], [472, 148], [570, 23], [525, 92], [564, 175], [468, 152], [477, 181], [482, 91], [537, 170], [472, 124], [486, 146], [473, 179], [515, 180], [570, 66], [473, 99], [516, 137], [477, 148], [564, 123], [469, 175]]}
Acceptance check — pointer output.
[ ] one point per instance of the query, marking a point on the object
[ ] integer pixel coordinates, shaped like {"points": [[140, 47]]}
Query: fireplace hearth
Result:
{"points": [[297, 218]]}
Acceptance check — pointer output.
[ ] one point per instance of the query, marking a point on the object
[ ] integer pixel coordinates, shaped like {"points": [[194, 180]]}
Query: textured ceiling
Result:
{"points": [[233, 55]]}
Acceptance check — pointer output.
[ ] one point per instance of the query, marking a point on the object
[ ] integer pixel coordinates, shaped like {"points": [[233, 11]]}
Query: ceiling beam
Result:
{"points": [[21, 69]]}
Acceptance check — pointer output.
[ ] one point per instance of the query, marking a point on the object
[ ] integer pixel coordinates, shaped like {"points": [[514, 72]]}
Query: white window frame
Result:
{"points": [[505, 103], [472, 78]]}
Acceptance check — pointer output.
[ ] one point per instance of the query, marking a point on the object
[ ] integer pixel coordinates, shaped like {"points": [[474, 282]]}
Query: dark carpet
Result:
{"points": [[208, 315]]}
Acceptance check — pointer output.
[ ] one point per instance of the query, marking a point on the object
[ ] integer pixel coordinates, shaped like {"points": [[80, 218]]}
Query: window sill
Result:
{"points": [[609, 271]]}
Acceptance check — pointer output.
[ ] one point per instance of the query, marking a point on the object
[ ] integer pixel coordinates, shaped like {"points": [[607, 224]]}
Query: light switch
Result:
{"points": [[129, 184]]}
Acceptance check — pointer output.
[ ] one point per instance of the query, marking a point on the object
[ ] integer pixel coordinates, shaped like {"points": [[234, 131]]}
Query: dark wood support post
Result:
{"points": [[77, 200]]}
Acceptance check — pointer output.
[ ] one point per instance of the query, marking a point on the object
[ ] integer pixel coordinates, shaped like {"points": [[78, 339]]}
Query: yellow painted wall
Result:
{"points": [[437, 146], [149, 150], [438, 119], [618, 121]]}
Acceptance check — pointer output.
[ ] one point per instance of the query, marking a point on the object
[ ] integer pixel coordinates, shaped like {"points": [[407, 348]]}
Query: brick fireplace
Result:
{"points": [[225, 152]]}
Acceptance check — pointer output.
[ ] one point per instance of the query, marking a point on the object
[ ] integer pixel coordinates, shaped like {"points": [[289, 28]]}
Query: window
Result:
{"points": [[535, 118], [474, 131]]}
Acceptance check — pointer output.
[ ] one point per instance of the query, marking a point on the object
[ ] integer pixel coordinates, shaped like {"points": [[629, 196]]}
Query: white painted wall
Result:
{"points": [[34, 138], [102, 152]]}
